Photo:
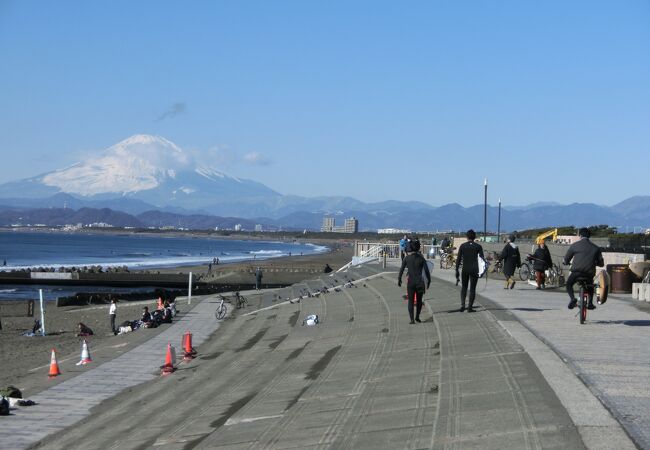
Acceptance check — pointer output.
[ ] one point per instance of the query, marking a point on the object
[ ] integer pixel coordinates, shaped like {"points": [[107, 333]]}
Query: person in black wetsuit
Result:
{"points": [[468, 254], [415, 263]]}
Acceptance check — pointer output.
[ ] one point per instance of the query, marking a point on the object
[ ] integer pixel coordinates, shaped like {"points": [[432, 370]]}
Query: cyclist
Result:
{"points": [[415, 263], [583, 256], [445, 249]]}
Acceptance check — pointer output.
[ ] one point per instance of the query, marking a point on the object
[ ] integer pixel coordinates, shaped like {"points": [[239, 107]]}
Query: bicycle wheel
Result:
{"points": [[524, 272], [220, 313], [448, 262], [583, 305]]}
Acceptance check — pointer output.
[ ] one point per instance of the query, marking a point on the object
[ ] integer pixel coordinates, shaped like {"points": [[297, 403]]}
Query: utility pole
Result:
{"points": [[485, 212], [499, 223]]}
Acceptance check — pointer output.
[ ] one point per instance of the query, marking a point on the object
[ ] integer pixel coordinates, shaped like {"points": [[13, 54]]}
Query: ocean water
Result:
{"points": [[20, 250]]}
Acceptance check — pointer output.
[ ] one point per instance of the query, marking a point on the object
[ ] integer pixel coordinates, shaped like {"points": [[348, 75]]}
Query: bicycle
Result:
{"points": [[526, 271], [585, 286], [497, 266], [553, 276], [222, 309], [447, 260], [241, 300]]}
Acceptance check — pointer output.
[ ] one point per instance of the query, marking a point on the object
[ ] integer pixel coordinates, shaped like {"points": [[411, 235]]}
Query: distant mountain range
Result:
{"points": [[149, 181]]}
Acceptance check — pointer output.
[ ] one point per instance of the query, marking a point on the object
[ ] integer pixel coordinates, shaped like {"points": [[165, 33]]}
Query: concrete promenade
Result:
{"points": [[362, 378], [608, 354]]}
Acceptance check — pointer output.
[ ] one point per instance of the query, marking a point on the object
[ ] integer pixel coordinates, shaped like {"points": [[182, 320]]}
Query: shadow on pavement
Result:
{"points": [[629, 323]]}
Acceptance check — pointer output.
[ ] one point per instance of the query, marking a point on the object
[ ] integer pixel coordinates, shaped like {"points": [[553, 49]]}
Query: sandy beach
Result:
{"points": [[25, 360]]}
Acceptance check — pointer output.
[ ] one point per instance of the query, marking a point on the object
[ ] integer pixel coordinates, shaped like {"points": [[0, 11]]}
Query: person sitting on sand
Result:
{"points": [[167, 314], [37, 326], [172, 307], [146, 316], [84, 330], [327, 268]]}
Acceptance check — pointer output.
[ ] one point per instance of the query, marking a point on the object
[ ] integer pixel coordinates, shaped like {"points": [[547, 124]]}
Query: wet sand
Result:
{"points": [[24, 361]]}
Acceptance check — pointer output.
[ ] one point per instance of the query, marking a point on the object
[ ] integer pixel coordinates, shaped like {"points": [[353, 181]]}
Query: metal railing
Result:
{"points": [[391, 250]]}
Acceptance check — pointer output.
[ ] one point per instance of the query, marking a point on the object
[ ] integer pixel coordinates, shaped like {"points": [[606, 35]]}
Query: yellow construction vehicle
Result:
{"points": [[552, 233]]}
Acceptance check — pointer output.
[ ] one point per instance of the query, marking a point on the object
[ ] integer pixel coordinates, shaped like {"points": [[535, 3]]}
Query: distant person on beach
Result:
{"points": [[468, 254], [327, 268], [511, 260], [583, 256], [112, 313], [541, 262], [216, 261], [415, 263], [84, 330], [258, 278]]}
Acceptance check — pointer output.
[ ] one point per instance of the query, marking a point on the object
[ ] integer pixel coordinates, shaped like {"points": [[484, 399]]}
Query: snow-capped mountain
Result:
{"points": [[139, 163], [148, 168]]}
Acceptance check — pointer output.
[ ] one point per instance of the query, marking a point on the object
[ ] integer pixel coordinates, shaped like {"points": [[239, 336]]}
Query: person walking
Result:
{"points": [[402, 247], [511, 260], [415, 287], [541, 262], [468, 254], [258, 278], [583, 256], [112, 313]]}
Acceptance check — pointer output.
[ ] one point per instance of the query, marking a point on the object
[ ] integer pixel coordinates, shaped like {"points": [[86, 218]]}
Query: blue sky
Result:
{"points": [[417, 100]]}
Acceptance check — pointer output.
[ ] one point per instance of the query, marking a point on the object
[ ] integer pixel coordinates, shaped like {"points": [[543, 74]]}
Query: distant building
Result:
{"points": [[351, 225], [329, 225], [258, 227], [238, 227]]}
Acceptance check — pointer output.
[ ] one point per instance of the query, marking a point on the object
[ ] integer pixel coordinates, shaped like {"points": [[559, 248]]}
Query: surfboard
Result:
{"points": [[603, 287], [424, 274], [482, 266]]}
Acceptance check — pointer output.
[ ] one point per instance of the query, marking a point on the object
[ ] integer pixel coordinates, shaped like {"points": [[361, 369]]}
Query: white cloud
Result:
{"points": [[256, 159]]}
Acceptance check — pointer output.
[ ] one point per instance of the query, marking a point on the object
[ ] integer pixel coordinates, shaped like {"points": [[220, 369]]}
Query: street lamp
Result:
{"points": [[499, 223], [485, 211]]}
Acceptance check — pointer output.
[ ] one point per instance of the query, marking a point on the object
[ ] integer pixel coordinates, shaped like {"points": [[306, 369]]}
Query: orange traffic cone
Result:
{"points": [[168, 367], [189, 352], [85, 354], [54, 366]]}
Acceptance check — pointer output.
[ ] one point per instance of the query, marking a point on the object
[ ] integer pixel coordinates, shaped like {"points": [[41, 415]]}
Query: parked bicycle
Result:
{"points": [[222, 309], [527, 272], [447, 259]]}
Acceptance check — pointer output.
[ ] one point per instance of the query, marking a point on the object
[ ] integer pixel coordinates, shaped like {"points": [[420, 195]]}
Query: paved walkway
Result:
{"points": [[609, 354], [70, 401], [362, 378]]}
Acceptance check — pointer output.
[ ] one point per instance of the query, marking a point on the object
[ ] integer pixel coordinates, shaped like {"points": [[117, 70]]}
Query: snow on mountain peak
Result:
{"points": [[137, 163]]}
